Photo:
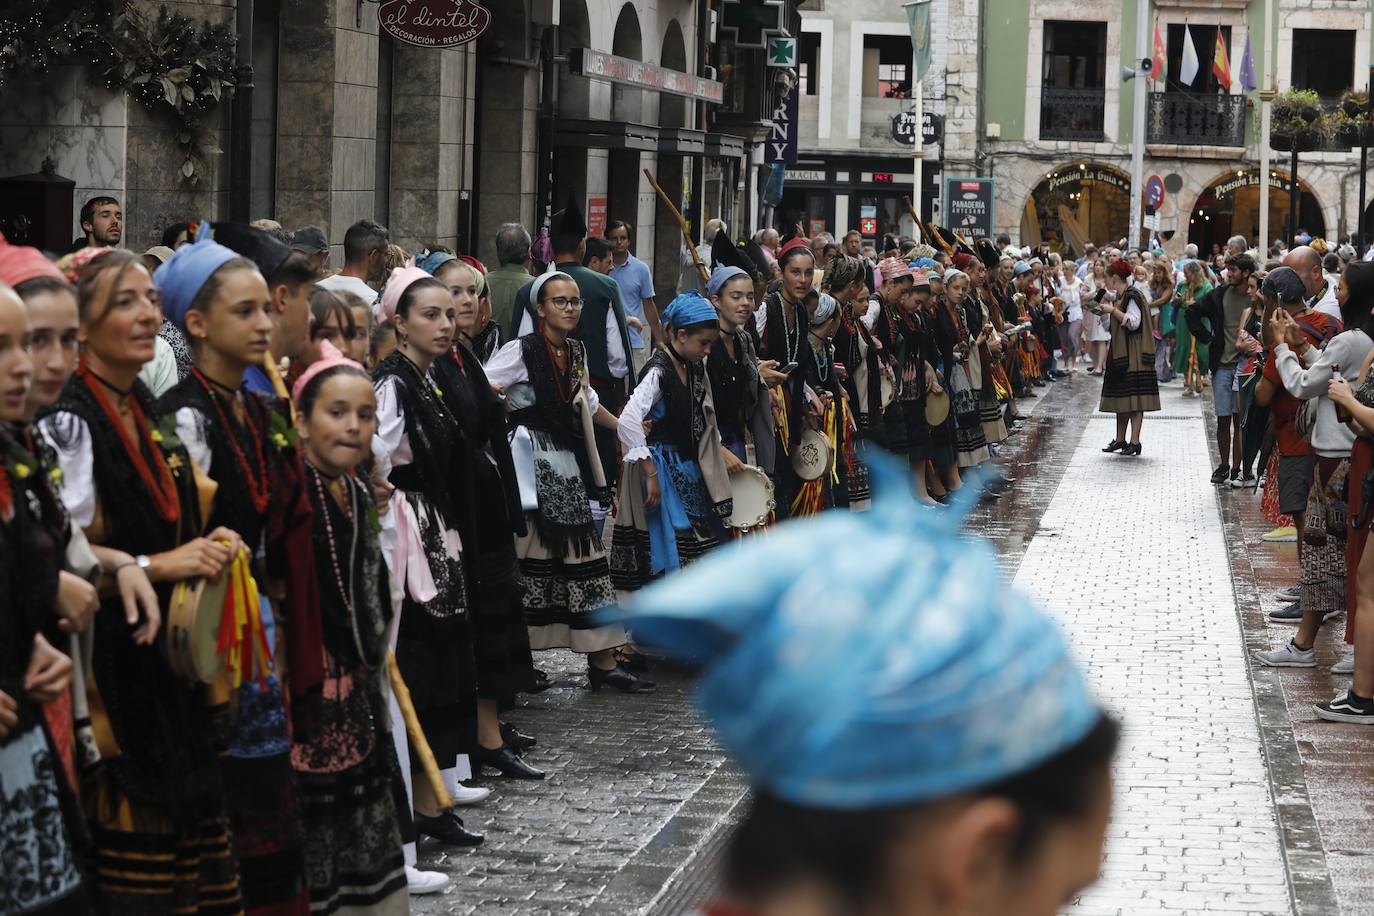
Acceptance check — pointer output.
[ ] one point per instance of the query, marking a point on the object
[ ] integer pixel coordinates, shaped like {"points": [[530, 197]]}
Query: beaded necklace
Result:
{"points": [[351, 510], [563, 386], [163, 489], [257, 484], [791, 336], [822, 357]]}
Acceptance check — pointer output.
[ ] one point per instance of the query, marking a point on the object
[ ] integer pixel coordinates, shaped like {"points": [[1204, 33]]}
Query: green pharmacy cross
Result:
{"points": [[752, 22]]}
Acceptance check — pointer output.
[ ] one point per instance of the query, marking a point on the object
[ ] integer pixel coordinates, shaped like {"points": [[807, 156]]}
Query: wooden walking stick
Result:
{"points": [[682, 224], [418, 743]]}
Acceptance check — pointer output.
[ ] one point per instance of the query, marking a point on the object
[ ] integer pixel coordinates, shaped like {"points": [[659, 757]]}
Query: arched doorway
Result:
{"points": [[1230, 206], [627, 104], [1077, 203], [571, 162], [672, 110]]}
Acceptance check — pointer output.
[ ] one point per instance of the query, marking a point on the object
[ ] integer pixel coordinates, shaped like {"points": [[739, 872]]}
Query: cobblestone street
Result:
{"points": [[1231, 797]]}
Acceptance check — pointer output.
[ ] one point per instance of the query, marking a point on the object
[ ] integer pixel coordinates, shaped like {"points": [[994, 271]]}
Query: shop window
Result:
{"points": [[386, 58], [887, 66], [262, 199], [1205, 44], [1324, 60], [1073, 81], [809, 62]]}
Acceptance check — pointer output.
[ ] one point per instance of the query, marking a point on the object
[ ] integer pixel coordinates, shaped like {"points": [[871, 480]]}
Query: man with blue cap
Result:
{"points": [[916, 743]]}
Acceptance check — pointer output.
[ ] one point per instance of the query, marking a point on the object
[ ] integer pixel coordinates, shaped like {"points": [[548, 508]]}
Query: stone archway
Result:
{"points": [[1077, 203], [673, 110], [1229, 205], [627, 104]]}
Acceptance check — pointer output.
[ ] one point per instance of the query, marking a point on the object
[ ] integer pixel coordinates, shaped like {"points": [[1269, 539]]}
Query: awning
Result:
{"points": [[682, 141], [727, 145], [605, 135]]}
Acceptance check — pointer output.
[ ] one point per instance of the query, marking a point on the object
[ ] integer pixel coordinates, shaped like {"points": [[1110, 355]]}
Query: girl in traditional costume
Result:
{"points": [[1129, 387], [345, 770], [551, 411], [151, 784], [220, 302], [674, 488], [830, 412], [867, 375], [421, 449]]}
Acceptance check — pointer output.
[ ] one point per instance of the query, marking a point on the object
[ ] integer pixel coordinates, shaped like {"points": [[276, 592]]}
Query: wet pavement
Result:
{"points": [[1229, 800]]}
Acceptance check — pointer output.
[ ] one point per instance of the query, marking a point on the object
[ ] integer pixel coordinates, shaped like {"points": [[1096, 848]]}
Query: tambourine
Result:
{"points": [[937, 408], [811, 455], [193, 622], [752, 498], [887, 388]]}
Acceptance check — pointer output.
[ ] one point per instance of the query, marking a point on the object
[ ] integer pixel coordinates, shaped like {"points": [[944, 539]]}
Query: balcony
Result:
{"points": [[1189, 119], [1072, 114]]}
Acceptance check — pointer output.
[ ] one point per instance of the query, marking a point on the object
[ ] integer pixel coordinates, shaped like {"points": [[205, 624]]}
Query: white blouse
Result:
{"points": [[390, 444], [70, 439], [507, 369], [615, 347], [645, 396]]}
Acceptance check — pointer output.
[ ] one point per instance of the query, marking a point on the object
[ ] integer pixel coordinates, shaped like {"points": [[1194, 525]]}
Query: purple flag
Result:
{"points": [[1247, 67]]}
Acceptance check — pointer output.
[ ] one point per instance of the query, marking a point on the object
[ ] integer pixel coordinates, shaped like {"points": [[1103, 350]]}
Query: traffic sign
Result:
{"points": [[1154, 191], [782, 52]]}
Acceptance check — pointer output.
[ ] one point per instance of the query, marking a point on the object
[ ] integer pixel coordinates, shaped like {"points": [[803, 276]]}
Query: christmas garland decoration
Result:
{"points": [[171, 67]]}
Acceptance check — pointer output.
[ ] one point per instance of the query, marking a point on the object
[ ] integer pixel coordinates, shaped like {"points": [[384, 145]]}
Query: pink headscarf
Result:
{"points": [[330, 358], [397, 284]]}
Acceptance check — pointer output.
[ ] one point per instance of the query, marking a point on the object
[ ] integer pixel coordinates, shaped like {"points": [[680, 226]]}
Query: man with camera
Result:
{"points": [[1215, 321]]}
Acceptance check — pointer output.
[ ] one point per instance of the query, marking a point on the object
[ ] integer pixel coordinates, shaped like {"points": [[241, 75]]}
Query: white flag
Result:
{"points": [[1190, 64]]}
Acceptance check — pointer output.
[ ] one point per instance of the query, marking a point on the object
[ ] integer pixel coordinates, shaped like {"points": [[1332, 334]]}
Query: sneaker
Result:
{"points": [[1221, 474], [1289, 613], [464, 796], [1346, 708], [1243, 482], [1284, 534], [1290, 656], [424, 882], [1289, 594], [1347, 663]]}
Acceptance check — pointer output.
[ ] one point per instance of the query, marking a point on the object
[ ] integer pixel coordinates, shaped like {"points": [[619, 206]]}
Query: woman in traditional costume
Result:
{"points": [[151, 783], [674, 488], [44, 832], [220, 302], [346, 769], [960, 355], [552, 408], [501, 642], [867, 378], [1129, 387], [932, 749], [829, 414], [421, 450], [984, 314]]}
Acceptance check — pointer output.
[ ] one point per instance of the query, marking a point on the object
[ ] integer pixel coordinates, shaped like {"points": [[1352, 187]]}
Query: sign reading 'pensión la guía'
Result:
{"points": [[433, 23]]}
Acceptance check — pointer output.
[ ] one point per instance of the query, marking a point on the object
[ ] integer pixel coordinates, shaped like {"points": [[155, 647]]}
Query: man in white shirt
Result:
{"points": [[364, 261], [1321, 293]]}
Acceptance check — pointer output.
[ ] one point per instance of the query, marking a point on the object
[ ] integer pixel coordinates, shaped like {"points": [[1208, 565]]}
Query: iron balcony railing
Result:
{"points": [[1196, 119], [1072, 114]]}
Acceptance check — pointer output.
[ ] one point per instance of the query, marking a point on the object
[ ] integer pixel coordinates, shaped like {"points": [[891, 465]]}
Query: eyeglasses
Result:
{"points": [[565, 304]]}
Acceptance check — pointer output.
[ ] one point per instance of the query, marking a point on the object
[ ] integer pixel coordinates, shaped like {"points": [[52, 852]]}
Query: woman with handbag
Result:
{"points": [[1129, 388], [151, 779], [551, 411]]}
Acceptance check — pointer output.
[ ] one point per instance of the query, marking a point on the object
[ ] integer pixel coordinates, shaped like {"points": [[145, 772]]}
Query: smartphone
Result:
{"points": [[1100, 295], [787, 369]]}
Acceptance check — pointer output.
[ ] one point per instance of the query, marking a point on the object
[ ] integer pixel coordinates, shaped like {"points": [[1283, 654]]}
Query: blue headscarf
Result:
{"points": [[431, 261], [923, 263], [887, 673], [722, 275], [181, 277], [687, 309], [1020, 267]]}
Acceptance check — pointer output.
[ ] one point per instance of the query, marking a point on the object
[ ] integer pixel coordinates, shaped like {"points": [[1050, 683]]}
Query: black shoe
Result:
{"points": [[447, 828], [505, 760], [1289, 613], [631, 660], [1115, 445], [618, 678], [1221, 474], [539, 683], [1131, 449], [1347, 708], [515, 740]]}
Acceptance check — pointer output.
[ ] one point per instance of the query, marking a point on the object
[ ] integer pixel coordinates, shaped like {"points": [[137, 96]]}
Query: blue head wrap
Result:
{"points": [[431, 261], [826, 306], [1020, 267], [181, 277], [887, 674], [687, 309], [722, 275], [923, 263]]}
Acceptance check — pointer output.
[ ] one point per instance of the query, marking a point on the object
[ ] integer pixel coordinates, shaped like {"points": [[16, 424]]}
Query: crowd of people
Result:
{"points": [[280, 544]]}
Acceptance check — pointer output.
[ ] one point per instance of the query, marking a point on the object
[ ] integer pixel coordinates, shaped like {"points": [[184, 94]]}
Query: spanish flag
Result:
{"points": [[1221, 63]]}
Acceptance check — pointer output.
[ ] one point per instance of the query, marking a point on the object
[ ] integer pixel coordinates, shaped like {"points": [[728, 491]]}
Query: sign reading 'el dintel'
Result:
{"points": [[433, 23], [969, 206]]}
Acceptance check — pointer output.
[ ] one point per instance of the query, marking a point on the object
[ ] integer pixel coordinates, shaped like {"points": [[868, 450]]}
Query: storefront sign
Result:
{"points": [[782, 143], [904, 128], [433, 23], [868, 225], [816, 227], [970, 206], [1249, 180], [1070, 176], [806, 175], [782, 52], [596, 216], [599, 65], [932, 127]]}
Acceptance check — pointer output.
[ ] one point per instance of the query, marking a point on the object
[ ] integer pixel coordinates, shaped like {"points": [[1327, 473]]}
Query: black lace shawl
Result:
{"points": [[550, 414], [851, 332], [167, 758], [777, 345], [440, 467], [732, 380], [684, 412]]}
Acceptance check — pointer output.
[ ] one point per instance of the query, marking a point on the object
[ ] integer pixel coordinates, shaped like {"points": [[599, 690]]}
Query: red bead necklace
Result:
{"points": [[162, 489], [257, 485], [564, 388]]}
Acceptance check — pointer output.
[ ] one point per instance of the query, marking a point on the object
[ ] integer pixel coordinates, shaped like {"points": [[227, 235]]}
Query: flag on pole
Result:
{"points": [[1160, 59], [1221, 62], [1247, 67], [1188, 72], [918, 19]]}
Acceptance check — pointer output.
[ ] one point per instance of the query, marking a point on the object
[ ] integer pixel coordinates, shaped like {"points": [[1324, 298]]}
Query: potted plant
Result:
{"points": [[1354, 119], [1298, 123]]}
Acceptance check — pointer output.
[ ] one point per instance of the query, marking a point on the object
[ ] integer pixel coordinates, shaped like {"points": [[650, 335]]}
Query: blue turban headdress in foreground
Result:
{"points": [[185, 272], [687, 309], [868, 660]]}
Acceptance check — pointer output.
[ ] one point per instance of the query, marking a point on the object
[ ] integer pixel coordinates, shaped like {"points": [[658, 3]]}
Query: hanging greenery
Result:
{"points": [[172, 67]]}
